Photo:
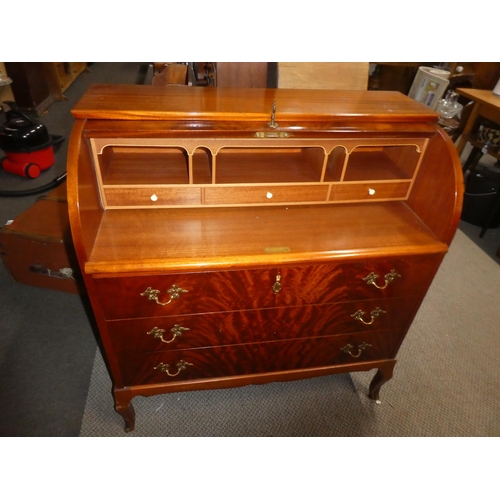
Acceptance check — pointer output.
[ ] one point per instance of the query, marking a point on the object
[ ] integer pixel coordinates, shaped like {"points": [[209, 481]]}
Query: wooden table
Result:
{"points": [[486, 105]]}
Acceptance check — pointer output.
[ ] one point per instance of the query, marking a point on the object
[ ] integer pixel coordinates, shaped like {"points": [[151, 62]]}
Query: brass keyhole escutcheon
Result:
{"points": [[277, 285]]}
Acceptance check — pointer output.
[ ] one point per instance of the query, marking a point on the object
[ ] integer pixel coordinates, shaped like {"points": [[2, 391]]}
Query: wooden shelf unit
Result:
{"points": [[220, 173], [219, 251]]}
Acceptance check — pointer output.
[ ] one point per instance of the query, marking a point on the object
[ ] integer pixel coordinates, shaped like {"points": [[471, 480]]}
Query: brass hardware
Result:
{"points": [[64, 273], [277, 286], [271, 135], [181, 365], [277, 249], [374, 314], [361, 348], [152, 294], [389, 278], [272, 123], [176, 330]]}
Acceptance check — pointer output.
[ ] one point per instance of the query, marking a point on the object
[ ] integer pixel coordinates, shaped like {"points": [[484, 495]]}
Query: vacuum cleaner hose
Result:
{"points": [[41, 189]]}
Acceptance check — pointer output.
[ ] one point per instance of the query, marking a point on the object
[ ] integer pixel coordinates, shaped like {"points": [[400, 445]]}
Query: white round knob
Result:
{"points": [[269, 195], [371, 191], [154, 197]]}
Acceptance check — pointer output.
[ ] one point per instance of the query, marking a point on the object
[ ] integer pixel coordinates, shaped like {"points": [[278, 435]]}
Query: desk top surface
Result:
{"points": [[482, 96]]}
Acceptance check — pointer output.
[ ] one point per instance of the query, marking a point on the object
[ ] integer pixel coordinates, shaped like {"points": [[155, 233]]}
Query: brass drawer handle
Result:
{"points": [[361, 348], [181, 365], [374, 314], [277, 286], [176, 330], [175, 293], [389, 278]]}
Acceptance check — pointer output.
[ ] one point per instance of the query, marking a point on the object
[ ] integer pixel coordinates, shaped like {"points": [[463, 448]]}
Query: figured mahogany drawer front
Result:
{"points": [[244, 359], [192, 293], [316, 284], [390, 277], [174, 294], [258, 325]]}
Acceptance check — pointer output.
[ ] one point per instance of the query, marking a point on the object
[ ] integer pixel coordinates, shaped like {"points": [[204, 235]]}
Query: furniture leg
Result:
{"points": [[473, 159], [468, 127], [124, 406], [384, 373], [492, 214], [143, 71]]}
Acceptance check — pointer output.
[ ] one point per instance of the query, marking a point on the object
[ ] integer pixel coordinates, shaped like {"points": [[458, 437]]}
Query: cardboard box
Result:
{"points": [[37, 248]]}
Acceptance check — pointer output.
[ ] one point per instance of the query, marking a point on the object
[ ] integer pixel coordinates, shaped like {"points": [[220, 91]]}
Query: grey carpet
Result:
{"points": [[445, 382]]}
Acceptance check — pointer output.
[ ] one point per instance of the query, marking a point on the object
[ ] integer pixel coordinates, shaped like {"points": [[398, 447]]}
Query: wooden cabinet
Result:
{"points": [[237, 236], [37, 85]]}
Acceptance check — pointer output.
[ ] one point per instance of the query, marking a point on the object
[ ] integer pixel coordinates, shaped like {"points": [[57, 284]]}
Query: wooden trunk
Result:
{"points": [[235, 236], [37, 248]]}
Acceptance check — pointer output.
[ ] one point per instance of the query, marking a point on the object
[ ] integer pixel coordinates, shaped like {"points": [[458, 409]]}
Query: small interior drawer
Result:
{"points": [[151, 196], [269, 194], [369, 191]]}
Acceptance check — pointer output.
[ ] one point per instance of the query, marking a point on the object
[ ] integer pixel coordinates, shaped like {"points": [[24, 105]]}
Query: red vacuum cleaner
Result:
{"points": [[27, 144]]}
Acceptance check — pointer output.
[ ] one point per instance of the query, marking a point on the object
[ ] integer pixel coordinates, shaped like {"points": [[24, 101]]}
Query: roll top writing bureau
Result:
{"points": [[232, 236]]}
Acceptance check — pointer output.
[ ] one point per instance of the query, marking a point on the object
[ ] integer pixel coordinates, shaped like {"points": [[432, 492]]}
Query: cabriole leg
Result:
{"points": [[124, 406], [384, 373]]}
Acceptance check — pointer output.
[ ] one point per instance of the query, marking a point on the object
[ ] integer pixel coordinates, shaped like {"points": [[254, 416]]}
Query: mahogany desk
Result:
{"points": [[235, 236]]}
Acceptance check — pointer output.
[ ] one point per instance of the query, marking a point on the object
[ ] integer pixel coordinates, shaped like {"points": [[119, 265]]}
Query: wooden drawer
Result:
{"points": [[245, 359], [370, 191], [258, 325], [194, 293], [151, 196], [270, 194], [129, 297]]}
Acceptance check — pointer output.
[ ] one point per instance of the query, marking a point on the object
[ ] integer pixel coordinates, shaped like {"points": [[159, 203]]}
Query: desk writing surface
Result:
{"points": [[480, 95], [486, 104]]}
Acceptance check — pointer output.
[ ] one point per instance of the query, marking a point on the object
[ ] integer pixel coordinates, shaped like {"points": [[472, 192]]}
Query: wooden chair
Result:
{"points": [[333, 76], [171, 74], [242, 74]]}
